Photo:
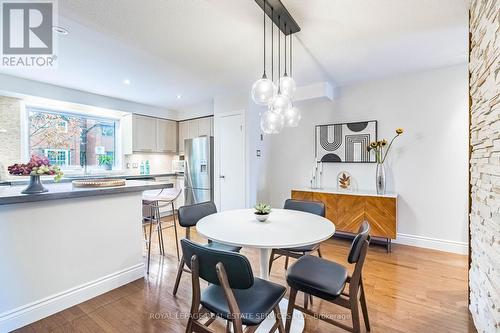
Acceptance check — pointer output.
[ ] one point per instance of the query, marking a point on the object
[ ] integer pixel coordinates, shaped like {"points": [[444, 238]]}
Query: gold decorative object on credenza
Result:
{"points": [[99, 183], [348, 210]]}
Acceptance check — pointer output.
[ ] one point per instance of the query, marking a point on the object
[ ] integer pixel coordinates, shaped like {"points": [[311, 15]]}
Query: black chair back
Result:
{"points": [[313, 207], [357, 243], [190, 215], [238, 269]]}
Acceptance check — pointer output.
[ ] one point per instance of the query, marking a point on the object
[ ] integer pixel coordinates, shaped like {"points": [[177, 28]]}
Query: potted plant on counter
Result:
{"points": [[106, 161], [262, 212], [36, 167]]}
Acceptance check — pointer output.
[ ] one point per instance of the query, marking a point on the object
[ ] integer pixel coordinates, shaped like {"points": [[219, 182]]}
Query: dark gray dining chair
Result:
{"points": [[313, 207], [327, 280], [234, 294], [188, 218]]}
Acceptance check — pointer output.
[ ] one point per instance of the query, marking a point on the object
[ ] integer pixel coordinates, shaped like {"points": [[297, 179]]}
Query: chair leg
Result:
{"points": [[271, 260], [289, 312], [319, 253], [356, 327], [364, 308], [286, 262], [149, 244], [179, 274], [306, 301], [175, 231], [160, 232], [279, 321], [189, 326]]}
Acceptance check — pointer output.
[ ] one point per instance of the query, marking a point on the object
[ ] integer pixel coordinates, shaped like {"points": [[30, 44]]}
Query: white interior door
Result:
{"points": [[231, 177]]}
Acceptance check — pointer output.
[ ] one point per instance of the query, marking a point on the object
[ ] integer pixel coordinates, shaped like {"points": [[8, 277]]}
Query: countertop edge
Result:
{"points": [[17, 199]]}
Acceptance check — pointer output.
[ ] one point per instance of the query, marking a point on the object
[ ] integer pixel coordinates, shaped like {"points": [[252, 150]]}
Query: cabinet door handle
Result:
{"points": [[222, 177]]}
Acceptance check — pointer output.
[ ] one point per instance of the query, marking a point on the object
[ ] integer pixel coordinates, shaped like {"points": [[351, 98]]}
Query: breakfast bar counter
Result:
{"points": [[66, 246], [66, 190]]}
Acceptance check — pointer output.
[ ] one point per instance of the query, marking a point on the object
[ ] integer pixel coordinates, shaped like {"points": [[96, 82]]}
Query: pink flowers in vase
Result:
{"points": [[37, 166]]}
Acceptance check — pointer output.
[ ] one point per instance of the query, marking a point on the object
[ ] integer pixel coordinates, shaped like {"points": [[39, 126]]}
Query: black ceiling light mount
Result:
{"points": [[279, 15]]}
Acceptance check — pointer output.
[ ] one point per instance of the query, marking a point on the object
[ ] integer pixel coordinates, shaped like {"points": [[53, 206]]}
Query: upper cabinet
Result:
{"points": [[143, 134], [183, 135], [205, 126], [166, 136], [194, 128]]}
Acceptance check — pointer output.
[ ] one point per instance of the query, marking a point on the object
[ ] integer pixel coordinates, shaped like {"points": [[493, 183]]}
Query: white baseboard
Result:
{"points": [[45, 307], [433, 243]]}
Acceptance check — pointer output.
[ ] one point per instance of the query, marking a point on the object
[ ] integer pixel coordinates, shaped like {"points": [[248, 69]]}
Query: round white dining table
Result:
{"points": [[283, 229]]}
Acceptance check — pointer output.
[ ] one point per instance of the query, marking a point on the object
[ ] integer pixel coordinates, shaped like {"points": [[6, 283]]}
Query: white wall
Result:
{"points": [[428, 167], [202, 109], [22, 88]]}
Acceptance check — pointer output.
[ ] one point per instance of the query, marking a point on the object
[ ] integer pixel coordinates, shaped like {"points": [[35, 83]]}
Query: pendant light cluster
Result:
{"points": [[276, 96]]}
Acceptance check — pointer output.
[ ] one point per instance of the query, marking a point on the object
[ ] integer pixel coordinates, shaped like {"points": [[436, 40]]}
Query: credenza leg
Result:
{"points": [[389, 245]]}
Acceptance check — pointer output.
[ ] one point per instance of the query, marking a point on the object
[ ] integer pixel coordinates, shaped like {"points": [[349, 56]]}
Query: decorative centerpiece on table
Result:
{"points": [[262, 212], [381, 149], [36, 167]]}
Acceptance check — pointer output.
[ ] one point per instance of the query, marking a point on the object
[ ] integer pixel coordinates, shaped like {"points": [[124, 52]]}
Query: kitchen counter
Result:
{"points": [[66, 246], [70, 178], [13, 195]]}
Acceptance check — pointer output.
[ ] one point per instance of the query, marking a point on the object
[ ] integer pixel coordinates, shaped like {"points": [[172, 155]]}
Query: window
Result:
{"points": [[69, 140], [57, 156]]}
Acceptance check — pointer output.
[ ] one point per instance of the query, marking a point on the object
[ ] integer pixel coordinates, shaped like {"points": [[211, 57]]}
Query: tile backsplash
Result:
{"points": [[158, 163]]}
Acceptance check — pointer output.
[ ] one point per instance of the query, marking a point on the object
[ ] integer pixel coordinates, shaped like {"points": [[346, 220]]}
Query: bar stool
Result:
{"points": [[152, 201]]}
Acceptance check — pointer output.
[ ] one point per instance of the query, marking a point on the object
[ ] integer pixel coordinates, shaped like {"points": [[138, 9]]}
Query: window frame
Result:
{"points": [[76, 169]]}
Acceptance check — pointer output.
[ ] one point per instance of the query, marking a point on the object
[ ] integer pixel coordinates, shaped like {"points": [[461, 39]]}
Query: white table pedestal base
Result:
{"points": [[298, 322]]}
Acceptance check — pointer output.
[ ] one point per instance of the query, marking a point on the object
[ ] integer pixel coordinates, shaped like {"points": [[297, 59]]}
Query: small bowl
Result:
{"points": [[261, 217]]}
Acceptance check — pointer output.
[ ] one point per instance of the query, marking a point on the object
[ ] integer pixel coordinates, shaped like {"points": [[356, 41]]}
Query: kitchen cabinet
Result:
{"points": [[183, 135], [189, 129], [142, 134], [193, 128], [204, 126], [166, 136]]}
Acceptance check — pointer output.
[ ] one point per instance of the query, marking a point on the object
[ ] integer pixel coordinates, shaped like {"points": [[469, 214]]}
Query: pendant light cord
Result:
{"points": [[279, 52], [272, 44], [264, 21], [285, 51], [291, 52]]}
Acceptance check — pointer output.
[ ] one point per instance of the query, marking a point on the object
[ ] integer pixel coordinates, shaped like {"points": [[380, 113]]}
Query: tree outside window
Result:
{"points": [[73, 141]]}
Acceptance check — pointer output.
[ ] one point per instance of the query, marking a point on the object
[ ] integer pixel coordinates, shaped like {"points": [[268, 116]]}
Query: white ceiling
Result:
{"points": [[204, 48]]}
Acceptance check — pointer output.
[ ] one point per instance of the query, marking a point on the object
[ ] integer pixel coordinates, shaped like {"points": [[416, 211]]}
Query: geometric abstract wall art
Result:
{"points": [[345, 143]]}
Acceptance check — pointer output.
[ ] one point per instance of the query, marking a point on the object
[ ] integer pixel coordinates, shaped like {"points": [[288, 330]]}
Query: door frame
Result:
{"points": [[217, 118]]}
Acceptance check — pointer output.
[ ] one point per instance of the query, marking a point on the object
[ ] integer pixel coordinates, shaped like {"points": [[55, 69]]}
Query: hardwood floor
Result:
{"points": [[408, 290]]}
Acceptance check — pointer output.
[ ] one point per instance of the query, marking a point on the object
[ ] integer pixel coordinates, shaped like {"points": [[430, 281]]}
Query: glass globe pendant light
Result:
{"points": [[286, 84], [292, 114], [280, 102], [292, 117], [263, 90], [271, 122]]}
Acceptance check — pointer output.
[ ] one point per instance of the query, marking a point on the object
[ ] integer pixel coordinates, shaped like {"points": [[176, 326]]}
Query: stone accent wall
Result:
{"points": [[484, 275], [10, 140]]}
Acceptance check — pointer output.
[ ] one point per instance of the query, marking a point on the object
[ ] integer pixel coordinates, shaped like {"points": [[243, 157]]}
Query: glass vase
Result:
{"points": [[380, 178]]}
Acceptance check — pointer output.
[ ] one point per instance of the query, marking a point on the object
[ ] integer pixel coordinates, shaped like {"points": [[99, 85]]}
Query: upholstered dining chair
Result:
{"points": [[313, 207], [188, 217], [234, 294], [327, 280]]}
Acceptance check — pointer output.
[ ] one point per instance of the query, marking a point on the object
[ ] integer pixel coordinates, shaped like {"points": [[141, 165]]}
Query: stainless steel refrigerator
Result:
{"points": [[199, 170]]}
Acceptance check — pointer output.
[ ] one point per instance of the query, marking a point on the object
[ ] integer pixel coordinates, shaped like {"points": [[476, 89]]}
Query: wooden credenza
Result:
{"points": [[347, 210]]}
